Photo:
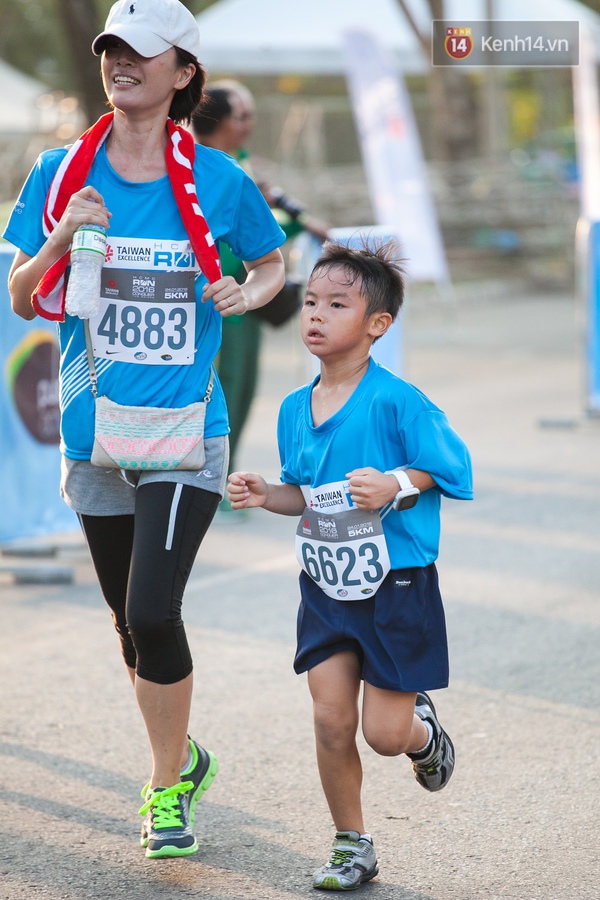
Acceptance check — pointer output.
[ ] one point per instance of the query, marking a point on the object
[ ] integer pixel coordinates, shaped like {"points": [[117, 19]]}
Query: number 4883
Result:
{"points": [[151, 330]]}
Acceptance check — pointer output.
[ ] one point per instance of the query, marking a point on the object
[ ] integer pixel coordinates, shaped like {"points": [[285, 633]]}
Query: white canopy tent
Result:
{"points": [[270, 36], [261, 37], [19, 113]]}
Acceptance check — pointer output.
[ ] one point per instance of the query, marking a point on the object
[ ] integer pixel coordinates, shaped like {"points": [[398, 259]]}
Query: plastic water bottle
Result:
{"points": [[88, 250]]}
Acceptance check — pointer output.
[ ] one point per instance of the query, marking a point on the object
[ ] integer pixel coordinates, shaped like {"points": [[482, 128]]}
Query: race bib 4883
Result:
{"points": [[148, 303]]}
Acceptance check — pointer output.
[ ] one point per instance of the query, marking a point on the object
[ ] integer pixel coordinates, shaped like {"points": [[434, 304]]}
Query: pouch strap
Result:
{"points": [[210, 385], [94, 376], [90, 357]]}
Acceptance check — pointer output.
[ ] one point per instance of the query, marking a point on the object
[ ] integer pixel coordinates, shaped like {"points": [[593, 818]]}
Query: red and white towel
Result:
{"points": [[48, 299]]}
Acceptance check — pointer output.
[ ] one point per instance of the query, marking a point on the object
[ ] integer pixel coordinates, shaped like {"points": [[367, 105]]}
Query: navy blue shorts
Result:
{"points": [[398, 634]]}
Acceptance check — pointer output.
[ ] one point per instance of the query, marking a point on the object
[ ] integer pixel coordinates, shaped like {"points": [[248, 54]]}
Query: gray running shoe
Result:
{"points": [[352, 862], [433, 772]]}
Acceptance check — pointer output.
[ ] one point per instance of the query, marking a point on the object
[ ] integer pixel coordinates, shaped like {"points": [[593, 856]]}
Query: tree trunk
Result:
{"points": [[81, 23], [452, 98]]}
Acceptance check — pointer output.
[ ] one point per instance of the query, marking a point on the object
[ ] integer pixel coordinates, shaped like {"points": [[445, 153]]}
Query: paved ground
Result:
{"points": [[520, 572]]}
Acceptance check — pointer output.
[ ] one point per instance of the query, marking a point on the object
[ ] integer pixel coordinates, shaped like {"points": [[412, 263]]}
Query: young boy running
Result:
{"points": [[366, 458]]}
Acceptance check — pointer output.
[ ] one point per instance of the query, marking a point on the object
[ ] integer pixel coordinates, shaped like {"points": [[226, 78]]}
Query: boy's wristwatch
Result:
{"points": [[408, 494]]}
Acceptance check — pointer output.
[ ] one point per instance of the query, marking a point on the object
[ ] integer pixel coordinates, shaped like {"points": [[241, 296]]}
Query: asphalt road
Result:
{"points": [[519, 570]]}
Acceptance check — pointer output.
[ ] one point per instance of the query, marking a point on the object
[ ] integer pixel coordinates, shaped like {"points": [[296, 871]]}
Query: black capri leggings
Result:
{"points": [[143, 562]]}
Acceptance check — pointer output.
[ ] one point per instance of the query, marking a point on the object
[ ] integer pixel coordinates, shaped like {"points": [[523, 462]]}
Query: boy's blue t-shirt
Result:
{"points": [[387, 423], [149, 265]]}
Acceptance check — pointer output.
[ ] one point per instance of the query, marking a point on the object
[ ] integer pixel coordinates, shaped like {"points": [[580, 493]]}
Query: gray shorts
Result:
{"points": [[111, 492]]}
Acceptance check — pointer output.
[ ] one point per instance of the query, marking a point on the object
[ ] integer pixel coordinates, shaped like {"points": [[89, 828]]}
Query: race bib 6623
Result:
{"points": [[345, 553]]}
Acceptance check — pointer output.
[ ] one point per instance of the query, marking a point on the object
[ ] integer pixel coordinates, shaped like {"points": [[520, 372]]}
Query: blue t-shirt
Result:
{"points": [[151, 316], [387, 423]]}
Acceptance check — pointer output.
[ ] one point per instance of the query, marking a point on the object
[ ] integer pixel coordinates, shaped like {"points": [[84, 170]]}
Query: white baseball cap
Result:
{"points": [[151, 27]]}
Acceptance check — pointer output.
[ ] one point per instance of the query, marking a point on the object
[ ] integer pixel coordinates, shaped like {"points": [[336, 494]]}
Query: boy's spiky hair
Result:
{"points": [[376, 266]]}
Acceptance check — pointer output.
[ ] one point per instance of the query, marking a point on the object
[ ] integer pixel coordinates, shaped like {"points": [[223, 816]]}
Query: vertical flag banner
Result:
{"points": [[392, 156], [395, 170]]}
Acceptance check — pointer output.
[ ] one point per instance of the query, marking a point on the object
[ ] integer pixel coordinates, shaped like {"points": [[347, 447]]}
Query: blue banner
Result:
{"points": [[586, 102], [593, 321], [30, 503]]}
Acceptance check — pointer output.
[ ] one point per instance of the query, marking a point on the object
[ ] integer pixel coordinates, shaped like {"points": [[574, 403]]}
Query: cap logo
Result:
{"points": [[151, 27]]}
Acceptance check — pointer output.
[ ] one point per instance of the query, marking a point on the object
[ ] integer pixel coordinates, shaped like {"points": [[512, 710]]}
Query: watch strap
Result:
{"points": [[402, 478]]}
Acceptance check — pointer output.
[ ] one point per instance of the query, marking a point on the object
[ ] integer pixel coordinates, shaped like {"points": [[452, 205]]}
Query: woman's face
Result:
{"points": [[137, 84]]}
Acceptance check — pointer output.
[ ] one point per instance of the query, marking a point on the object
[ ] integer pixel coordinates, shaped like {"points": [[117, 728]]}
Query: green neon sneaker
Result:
{"points": [[201, 773], [167, 822], [352, 862]]}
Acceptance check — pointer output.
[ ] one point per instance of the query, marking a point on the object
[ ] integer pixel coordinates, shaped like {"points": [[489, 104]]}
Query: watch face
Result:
{"points": [[406, 500]]}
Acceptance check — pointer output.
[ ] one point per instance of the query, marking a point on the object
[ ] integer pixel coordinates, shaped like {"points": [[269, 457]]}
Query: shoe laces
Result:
{"points": [[341, 857], [166, 805]]}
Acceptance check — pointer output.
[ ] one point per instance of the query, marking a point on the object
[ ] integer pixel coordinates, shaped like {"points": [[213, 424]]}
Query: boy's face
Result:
{"points": [[333, 320]]}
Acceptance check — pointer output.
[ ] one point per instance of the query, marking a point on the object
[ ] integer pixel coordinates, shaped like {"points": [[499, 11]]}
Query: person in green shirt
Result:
{"points": [[225, 120]]}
